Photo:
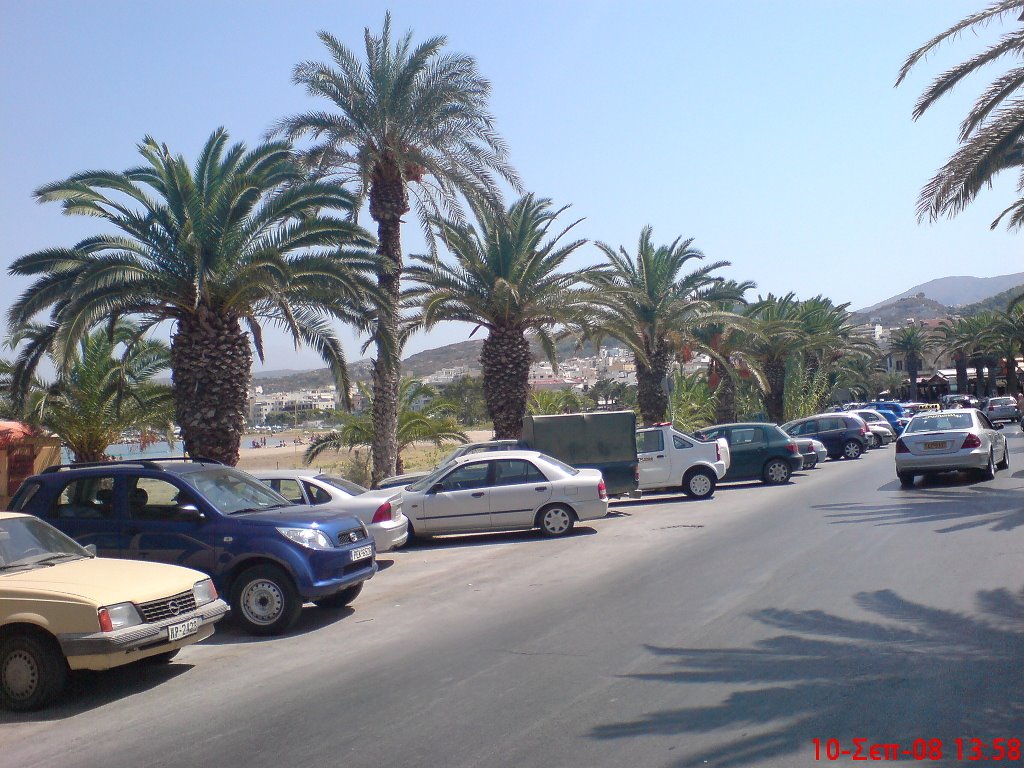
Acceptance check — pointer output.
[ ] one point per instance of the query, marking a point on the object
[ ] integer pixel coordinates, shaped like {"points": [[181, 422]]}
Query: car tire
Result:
{"points": [[810, 463], [340, 599], [873, 441], [32, 671], [699, 483], [1005, 463], [556, 520], [852, 449], [415, 538], [906, 479], [162, 658], [264, 600], [989, 472], [776, 472]]}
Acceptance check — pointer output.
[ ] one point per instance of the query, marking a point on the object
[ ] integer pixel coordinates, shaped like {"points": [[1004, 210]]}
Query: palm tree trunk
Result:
{"points": [[912, 372], [993, 375], [211, 364], [650, 395], [775, 397], [389, 201], [725, 406], [505, 360], [961, 374]]}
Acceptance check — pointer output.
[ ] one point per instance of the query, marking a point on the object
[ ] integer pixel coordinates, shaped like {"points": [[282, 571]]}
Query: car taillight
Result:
{"points": [[901, 447], [791, 447], [383, 513], [971, 441], [106, 625], [602, 491]]}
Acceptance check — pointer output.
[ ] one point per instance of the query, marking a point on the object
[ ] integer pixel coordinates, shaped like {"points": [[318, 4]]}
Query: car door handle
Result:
{"points": [[478, 494], [660, 456], [540, 488]]}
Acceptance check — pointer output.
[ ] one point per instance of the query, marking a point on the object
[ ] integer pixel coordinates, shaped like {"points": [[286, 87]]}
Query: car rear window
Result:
{"points": [[940, 422]]}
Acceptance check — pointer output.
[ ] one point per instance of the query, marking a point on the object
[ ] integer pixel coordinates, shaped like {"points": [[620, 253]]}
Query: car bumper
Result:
{"points": [[103, 650], [796, 463], [390, 535], [947, 462], [591, 510], [720, 468]]}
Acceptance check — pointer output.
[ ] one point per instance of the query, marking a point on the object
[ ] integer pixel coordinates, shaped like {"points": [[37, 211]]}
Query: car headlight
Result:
{"points": [[118, 617], [204, 592], [307, 537]]}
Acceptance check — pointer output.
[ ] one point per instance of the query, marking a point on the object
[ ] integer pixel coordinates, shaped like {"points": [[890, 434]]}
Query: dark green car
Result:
{"points": [[759, 451]]}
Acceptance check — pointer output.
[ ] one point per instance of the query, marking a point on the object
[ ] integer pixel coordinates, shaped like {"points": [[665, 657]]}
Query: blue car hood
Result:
{"points": [[302, 516]]}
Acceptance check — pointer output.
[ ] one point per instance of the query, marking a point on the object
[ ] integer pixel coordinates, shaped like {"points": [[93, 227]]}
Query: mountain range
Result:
{"points": [[954, 291]]}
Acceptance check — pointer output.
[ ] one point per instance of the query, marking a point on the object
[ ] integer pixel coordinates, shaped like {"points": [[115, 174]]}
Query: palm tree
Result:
{"points": [[992, 134], [1007, 329], [410, 119], [422, 417], [694, 402], [912, 341], [505, 277], [652, 307], [108, 389], [778, 338], [553, 401], [959, 338], [238, 241]]}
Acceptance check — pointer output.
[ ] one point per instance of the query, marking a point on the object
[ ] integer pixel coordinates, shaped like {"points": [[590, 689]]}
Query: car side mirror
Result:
{"points": [[998, 426], [191, 513], [91, 549], [436, 488]]}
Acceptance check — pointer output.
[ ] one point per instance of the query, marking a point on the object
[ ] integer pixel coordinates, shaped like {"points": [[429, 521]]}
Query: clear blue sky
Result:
{"points": [[769, 132]]}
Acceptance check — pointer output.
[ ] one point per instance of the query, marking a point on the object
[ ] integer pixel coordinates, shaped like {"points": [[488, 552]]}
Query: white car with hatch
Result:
{"points": [[381, 513], [503, 491], [668, 459], [950, 441]]}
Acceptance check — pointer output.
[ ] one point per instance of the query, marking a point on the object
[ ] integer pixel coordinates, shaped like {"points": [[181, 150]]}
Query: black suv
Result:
{"points": [[266, 554], [845, 436]]}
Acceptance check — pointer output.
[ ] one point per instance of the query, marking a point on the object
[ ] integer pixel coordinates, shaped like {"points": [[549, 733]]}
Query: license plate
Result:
{"points": [[935, 445], [186, 628], [362, 553]]}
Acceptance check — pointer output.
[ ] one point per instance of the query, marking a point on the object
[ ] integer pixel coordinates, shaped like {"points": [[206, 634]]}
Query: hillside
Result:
{"points": [[954, 291], [899, 311]]}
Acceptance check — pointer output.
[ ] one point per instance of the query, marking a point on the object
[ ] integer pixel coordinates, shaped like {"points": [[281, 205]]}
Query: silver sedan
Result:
{"points": [[950, 441], [509, 490]]}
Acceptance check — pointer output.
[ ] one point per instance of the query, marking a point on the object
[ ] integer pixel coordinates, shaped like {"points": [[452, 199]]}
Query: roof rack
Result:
{"points": [[153, 463]]}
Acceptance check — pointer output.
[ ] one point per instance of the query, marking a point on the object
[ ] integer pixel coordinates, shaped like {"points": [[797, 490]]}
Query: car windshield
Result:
{"points": [[940, 422], [27, 542], [340, 482], [428, 481], [231, 491]]}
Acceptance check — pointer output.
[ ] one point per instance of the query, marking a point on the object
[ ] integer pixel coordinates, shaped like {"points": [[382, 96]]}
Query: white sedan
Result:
{"points": [[510, 490], [948, 441], [381, 512]]}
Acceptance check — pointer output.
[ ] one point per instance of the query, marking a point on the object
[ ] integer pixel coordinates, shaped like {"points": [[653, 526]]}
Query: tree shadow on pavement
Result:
{"points": [[916, 673], [968, 507]]}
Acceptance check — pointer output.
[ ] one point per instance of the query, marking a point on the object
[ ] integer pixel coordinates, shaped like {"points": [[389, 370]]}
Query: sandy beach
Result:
{"points": [[289, 456]]}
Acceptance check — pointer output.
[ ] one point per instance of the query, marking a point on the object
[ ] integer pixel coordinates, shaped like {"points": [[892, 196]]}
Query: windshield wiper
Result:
{"points": [[53, 558], [247, 510]]}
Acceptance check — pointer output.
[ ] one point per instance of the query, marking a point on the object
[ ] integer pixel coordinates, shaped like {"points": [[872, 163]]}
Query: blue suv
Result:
{"points": [[266, 554]]}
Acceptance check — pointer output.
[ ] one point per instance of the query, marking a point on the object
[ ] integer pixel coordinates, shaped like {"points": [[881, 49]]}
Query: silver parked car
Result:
{"points": [[948, 441], [504, 491], [881, 432], [381, 513], [400, 481], [1000, 409]]}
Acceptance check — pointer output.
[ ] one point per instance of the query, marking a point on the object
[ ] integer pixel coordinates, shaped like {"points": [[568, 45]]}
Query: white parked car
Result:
{"points": [[380, 513], [508, 490], [948, 441], [881, 432], [669, 459]]}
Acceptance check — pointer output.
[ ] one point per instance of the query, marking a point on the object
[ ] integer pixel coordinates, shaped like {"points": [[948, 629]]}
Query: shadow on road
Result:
{"points": [[967, 507], [90, 690], [490, 539], [915, 673]]}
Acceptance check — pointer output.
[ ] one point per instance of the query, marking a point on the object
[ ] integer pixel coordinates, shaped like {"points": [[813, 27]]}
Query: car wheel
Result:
{"points": [[1005, 463], [810, 462], [162, 658], [32, 672], [776, 472], [852, 449], [699, 483], [264, 600], [340, 599], [989, 472], [906, 479], [556, 521], [415, 537], [873, 441]]}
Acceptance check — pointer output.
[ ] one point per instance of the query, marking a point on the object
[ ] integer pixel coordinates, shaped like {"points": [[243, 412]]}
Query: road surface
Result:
{"points": [[728, 632]]}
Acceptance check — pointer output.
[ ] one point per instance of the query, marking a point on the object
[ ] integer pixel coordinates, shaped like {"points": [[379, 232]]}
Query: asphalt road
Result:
{"points": [[729, 632]]}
